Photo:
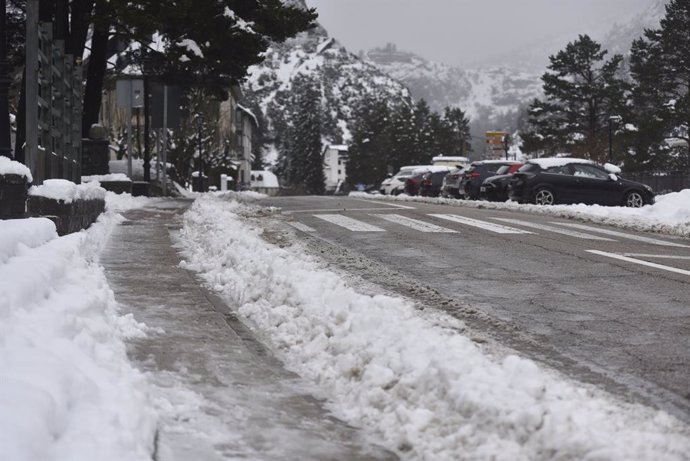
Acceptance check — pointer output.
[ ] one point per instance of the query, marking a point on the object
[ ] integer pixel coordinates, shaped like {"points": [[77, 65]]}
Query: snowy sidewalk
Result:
{"points": [[222, 394]]}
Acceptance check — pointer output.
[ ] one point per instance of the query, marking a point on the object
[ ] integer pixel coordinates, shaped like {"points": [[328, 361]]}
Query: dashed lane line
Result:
{"points": [[640, 262], [613, 233], [555, 230]]}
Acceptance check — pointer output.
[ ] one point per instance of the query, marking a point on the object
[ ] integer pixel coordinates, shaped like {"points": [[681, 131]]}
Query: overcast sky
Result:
{"points": [[467, 31]]}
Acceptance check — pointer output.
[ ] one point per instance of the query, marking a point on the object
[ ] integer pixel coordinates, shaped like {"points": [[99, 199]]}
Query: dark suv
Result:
{"points": [[476, 174], [546, 181]]}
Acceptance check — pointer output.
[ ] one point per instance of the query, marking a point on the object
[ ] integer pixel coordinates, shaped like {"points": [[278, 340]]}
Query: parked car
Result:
{"points": [[395, 184], [451, 183], [495, 188], [476, 174], [548, 181], [413, 183], [432, 182]]}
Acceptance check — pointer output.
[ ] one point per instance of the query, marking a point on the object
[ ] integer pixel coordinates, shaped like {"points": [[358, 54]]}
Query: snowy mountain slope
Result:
{"points": [[498, 90], [491, 93], [620, 37], [345, 80]]}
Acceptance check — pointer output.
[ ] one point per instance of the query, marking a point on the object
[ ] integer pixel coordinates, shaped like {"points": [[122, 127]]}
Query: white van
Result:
{"points": [[452, 162]]}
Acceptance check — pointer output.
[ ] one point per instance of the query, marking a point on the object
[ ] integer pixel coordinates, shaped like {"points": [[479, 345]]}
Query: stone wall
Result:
{"points": [[68, 217], [13, 190]]}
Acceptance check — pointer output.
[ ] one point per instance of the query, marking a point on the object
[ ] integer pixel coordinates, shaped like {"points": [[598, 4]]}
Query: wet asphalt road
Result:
{"points": [[604, 305]]}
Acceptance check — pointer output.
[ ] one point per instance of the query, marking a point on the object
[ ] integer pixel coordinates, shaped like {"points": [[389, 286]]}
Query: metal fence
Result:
{"points": [[53, 145], [663, 183]]}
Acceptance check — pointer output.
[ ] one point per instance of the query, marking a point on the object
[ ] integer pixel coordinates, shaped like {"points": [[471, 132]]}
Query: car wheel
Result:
{"points": [[634, 199], [544, 196]]}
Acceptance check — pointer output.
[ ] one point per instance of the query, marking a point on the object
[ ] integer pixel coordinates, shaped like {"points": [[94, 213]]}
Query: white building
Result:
{"points": [[334, 166], [245, 123]]}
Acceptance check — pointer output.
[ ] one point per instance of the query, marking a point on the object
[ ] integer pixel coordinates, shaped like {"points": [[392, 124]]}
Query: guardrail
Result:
{"points": [[662, 183]]}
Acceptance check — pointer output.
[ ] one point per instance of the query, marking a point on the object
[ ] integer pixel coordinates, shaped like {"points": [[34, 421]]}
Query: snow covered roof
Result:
{"points": [[431, 169], [490, 162], [443, 158], [339, 147], [557, 161]]}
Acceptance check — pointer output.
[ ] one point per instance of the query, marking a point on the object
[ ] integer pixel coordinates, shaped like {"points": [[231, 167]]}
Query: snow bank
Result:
{"points": [[670, 214], [68, 391], [9, 166], [17, 235], [67, 191], [106, 177], [412, 378]]}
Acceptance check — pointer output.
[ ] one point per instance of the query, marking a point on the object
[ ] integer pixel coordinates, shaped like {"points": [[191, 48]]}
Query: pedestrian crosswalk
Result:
{"points": [[349, 223], [415, 224], [516, 227]]}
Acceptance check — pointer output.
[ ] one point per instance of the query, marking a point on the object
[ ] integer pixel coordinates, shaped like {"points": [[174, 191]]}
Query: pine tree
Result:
{"points": [[582, 91], [454, 134], [371, 145], [301, 160], [660, 66]]}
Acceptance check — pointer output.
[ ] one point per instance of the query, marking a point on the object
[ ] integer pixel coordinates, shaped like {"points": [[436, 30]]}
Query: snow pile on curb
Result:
{"points": [[106, 178], [68, 390], [425, 390], [670, 214], [9, 166], [18, 234], [67, 191]]}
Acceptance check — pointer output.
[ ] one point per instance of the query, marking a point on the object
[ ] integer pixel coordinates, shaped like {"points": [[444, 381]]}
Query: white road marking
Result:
{"points": [[496, 228], [639, 238], [642, 255], [302, 227], [640, 262], [334, 210], [556, 230], [381, 202], [415, 224], [349, 223]]}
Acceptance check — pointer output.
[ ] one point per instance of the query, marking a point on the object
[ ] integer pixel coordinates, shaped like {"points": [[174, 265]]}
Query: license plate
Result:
{"points": [[482, 189]]}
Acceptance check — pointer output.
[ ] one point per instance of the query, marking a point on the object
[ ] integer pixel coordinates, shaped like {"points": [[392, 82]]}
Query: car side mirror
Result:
{"points": [[613, 177]]}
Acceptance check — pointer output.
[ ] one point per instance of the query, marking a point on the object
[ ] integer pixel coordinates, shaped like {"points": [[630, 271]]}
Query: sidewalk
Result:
{"points": [[229, 397]]}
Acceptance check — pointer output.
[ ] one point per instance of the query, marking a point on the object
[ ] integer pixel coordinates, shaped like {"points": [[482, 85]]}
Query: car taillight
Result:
{"points": [[426, 182], [474, 174]]}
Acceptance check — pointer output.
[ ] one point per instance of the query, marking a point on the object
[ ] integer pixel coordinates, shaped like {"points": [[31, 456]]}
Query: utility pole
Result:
{"points": [[5, 138]]}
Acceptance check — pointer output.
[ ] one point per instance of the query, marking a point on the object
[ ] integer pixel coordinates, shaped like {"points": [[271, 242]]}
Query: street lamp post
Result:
{"points": [[5, 138], [612, 119]]}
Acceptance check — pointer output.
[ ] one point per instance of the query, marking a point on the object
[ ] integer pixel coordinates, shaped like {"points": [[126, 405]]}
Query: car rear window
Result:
{"points": [[503, 170], [529, 168]]}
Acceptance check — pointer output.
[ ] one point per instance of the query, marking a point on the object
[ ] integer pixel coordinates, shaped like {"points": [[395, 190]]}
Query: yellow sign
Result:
{"points": [[495, 138]]}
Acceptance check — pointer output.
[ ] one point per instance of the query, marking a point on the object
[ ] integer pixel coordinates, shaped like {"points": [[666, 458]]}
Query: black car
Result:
{"points": [[569, 180], [431, 183], [495, 188], [476, 174]]}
